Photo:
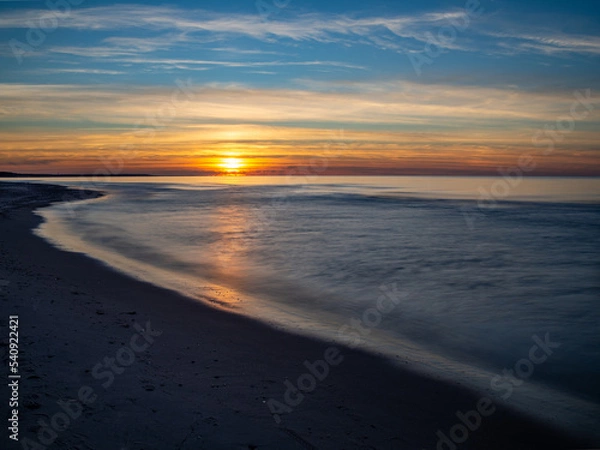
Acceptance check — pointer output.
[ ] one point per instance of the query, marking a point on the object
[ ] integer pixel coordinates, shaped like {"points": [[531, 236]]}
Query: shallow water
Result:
{"points": [[478, 267]]}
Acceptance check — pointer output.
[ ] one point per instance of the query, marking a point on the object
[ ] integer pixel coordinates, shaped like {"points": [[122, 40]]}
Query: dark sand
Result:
{"points": [[203, 383]]}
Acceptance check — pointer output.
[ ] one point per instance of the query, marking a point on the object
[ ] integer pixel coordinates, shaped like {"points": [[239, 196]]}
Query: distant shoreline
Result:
{"points": [[13, 175], [89, 175]]}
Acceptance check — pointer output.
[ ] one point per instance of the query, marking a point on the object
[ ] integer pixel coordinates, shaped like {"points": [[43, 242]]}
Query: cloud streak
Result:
{"points": [[391, 104], [556, 43], [399, 33]]}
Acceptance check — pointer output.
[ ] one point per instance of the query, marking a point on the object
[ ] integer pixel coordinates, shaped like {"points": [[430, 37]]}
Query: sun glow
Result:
{"points": [[232, 164]]}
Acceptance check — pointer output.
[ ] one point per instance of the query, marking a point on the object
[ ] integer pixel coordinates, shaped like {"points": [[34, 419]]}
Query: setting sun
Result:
{"points": [[232, 164]]}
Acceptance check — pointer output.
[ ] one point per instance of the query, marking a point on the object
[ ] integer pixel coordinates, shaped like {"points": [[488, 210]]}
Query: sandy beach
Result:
{"points": [[109, 362]]}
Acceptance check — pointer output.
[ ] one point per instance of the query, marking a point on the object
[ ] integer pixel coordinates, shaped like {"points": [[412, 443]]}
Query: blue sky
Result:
{"points": [[500, 66]]}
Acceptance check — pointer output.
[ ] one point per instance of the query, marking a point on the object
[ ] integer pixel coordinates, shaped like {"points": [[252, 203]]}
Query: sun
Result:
{"points": [[231, 164]]}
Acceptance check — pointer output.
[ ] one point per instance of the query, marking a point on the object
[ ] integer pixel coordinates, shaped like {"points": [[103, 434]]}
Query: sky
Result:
{"points": [[300, 87]]}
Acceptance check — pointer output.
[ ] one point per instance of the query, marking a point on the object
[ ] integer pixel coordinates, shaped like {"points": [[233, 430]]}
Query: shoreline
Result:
{"points": [[205, 381]]}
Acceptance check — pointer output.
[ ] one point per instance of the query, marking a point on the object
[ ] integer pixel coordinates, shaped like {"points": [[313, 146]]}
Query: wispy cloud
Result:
{"points": [[303, 27], [124, 57], [147, 44], [401, 104], [549, 43], [242, 51], [83, 71], [174, 27], [324, 28]]}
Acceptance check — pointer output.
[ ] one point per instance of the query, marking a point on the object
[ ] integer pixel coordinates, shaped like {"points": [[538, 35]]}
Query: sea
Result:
{"points": [[490, 282]]}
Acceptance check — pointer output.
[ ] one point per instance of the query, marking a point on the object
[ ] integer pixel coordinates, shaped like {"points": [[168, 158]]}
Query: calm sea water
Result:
{"points": [[480, 267]]}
